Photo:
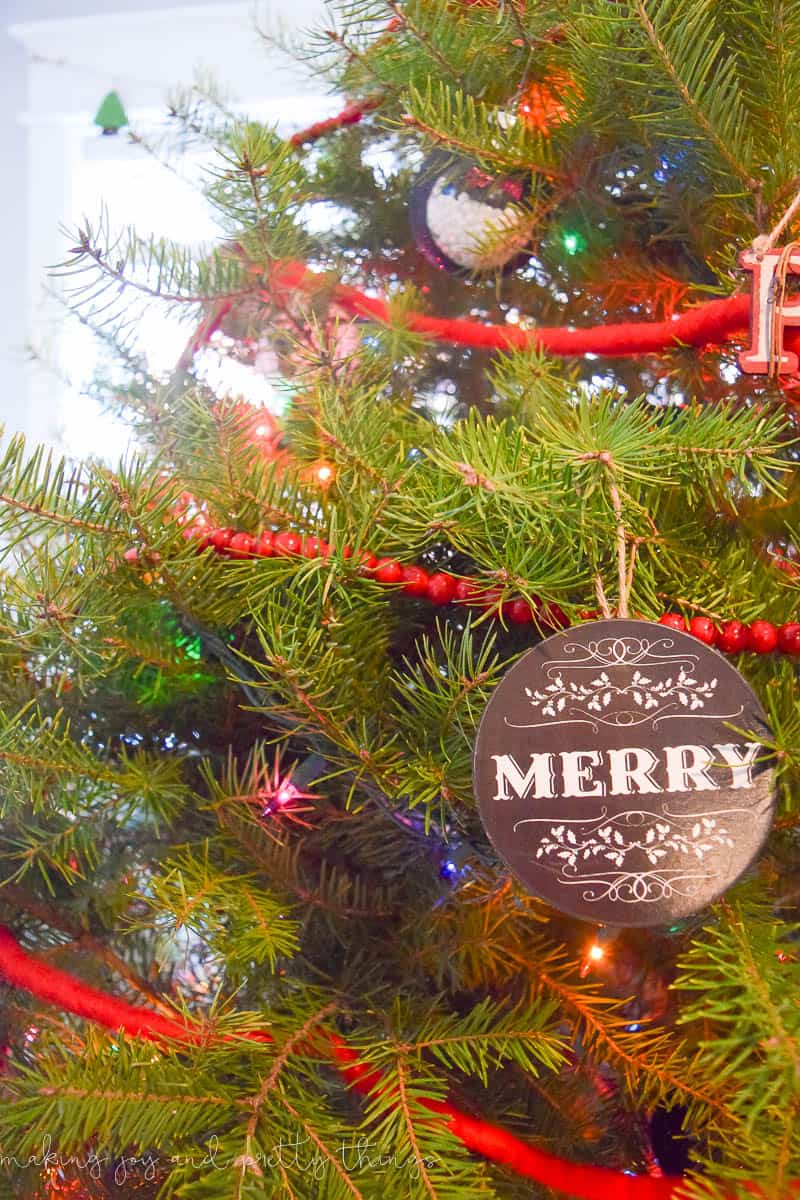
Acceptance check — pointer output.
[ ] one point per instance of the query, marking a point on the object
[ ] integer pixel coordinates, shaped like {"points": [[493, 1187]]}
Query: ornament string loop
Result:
{"points": [[776, 301], [766, 241]]}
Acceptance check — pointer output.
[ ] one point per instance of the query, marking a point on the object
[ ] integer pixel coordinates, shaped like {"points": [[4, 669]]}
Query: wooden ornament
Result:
{"points": [[771, 310]]}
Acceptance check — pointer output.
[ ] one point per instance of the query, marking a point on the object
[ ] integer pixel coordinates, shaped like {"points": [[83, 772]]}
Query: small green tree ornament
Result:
{"points": [[111, 115]]}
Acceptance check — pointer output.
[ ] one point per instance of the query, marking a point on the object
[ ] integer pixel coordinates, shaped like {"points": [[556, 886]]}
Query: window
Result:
{"points": [[73, 170]]}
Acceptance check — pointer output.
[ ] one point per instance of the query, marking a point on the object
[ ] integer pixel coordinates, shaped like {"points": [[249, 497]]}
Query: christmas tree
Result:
{"points": [[261, 932]]}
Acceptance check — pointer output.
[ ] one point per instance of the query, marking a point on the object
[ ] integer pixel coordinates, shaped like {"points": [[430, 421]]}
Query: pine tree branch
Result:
{"points": [[405, 1108], [86, 248], [38, 510], [767, 1007], [357, 56], [122, 1097], [406, 21], [291, 1045], [329, 1157], [572, 998], [290, 1192], [468, 685], [467, 149], [722, 148], [46, 766]]}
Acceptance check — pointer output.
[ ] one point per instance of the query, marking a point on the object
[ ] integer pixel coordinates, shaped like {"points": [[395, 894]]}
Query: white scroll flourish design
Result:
{"points": [[588, 854]]}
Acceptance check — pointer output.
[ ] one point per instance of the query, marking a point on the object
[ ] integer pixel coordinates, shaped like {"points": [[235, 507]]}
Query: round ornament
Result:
{"points": [[465, 220], [620, 770]]}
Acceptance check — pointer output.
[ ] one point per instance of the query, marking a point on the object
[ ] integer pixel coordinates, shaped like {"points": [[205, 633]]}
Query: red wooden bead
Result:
{"points": [[491, 598], [441, 588], [673, 621], [347, 552], [241, 545], [733, 637], [220, 539], [314, 547], [763, 637], [789, 638], [519, 611], [415, 581], [704, 629], [466, 591], [366, 563], [287, 543], [264, 545], [553, 617], [388, 570]]}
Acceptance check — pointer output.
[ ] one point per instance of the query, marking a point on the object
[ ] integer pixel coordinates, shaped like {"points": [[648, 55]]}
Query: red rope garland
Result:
{"points": [[32, 974], [706, 324], [351, 114]]}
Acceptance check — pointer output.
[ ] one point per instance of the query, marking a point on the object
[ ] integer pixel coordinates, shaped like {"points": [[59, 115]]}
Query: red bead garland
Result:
{"points": [[704, 629], [732, 637], [789, 638], [440, 587], [762, 637]]}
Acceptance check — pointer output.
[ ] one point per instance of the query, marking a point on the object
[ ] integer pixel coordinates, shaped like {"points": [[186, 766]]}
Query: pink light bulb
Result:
{"points": [[286, 793]]}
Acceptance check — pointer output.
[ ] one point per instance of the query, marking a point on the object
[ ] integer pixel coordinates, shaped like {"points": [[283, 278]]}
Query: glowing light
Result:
{"points": [[279, 794], [594, 954], [633, 1028], [324, 473], [448, 870], [286, 793], [573, 242]]}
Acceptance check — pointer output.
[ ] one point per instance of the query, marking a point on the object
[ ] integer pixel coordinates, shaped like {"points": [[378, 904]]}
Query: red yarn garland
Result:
{"points": [[27, 971], [706, 324], [351, 114], [440, 587]]}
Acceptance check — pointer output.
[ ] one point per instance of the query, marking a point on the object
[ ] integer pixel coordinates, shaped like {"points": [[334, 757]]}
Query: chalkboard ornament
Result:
{"points": [[621, 771]]}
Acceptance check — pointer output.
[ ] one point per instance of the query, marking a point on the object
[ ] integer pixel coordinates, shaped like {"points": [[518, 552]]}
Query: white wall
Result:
{"points": [[58, 58], [13, 266]]}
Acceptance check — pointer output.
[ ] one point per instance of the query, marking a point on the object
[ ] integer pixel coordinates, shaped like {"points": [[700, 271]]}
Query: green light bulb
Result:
{"points": [[573, 242]]}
